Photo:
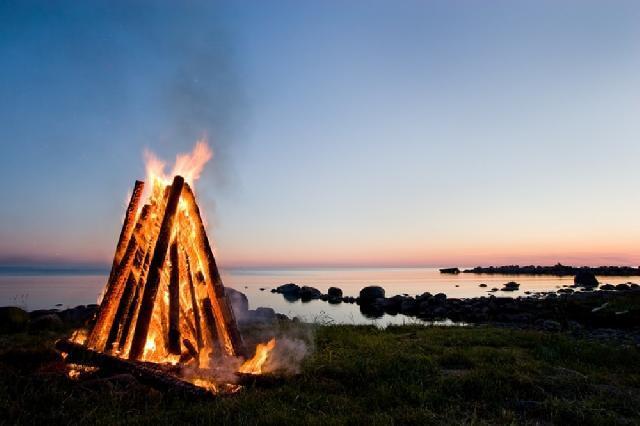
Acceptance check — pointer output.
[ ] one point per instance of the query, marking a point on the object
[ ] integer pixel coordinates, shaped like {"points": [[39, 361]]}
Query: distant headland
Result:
{"points": [[557, 270]]}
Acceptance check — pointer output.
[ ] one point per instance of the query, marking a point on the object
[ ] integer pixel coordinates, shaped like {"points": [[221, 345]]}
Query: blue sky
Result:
{"points": [[346, 133]]}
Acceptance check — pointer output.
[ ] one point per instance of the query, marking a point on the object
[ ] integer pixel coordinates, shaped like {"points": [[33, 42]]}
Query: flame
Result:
{"points": [[187, 165], [255, 364]]}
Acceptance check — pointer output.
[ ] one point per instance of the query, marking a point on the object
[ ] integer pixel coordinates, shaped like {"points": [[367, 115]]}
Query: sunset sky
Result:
{"points": [[361, 133]]}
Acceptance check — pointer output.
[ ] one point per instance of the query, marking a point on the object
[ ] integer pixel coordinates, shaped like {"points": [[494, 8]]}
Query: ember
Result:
{"points": [[164, 301]]}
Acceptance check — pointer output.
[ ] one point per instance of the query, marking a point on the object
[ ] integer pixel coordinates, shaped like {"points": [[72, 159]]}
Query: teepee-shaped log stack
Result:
{"points": [[165, 301]]}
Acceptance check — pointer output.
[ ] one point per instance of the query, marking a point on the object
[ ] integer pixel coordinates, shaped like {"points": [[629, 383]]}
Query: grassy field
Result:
{"points": [[360, 374]]}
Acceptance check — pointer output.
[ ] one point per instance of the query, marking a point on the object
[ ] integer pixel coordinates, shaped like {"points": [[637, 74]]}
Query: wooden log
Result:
{"points": [[174, 301], [155, 270], [111, 299], [225, 319], [187, 344], [127, 226], [125, 301], [194, 304], [145, 373], [132, 311]]}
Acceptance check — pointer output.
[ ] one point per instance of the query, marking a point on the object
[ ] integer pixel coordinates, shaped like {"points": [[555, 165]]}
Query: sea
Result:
{"points": [[61, 290]]}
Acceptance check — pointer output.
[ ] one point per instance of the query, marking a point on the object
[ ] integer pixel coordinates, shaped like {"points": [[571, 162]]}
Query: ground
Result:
{"points": [[360, 374]]}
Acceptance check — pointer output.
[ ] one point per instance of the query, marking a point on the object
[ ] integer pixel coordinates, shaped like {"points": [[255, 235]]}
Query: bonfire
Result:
{"points": [[164, 314]]}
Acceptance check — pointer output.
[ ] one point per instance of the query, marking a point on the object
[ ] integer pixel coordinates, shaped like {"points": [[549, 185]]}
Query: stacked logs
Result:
{"points": [[164, 248]]}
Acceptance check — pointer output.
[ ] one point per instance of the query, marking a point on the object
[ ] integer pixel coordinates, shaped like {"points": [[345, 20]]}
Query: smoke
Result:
{"points": [[203, 97], [286, 358]]}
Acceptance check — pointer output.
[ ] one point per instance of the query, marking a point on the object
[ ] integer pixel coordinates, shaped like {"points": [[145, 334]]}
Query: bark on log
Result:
{"points": [[145, 373], [155, 270], [174, 301], [225, 319]]}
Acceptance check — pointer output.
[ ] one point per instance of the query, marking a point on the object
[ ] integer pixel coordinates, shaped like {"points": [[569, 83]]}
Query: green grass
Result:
{"points": [[364, 375]]}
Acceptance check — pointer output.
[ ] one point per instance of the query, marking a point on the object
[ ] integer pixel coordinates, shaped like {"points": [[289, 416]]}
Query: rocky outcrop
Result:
{"points": [[449, 271], [558, 270]]}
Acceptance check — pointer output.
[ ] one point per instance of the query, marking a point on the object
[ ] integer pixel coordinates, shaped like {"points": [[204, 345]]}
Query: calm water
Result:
{"points": [[46, 291]]}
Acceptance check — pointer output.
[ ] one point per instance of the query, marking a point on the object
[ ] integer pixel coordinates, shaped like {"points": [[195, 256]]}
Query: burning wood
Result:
{"points": [[164, 301]]}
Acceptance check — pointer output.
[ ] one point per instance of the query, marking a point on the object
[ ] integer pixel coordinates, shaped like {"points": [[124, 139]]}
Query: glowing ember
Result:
{"points": [[255, 364]]}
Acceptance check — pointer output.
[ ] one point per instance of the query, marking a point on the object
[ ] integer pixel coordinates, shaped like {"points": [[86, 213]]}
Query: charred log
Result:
{"points": [[145, 373]]}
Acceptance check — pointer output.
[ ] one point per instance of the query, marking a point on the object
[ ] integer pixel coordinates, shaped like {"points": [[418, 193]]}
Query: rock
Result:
{"points": [[440, 312], [566, 290], [408, 306], [290, 288], [622, 287], [423, 297], [510, 286], [41, 312], [449, 271], [77, 316], [47, 322], [262, 288], [585, 278], [334, 292], [607, 287], [482, 285], [264, 314], [238, 300], [309, 293], [369, 294], [440, 298], [13, 319], [550, 325]]}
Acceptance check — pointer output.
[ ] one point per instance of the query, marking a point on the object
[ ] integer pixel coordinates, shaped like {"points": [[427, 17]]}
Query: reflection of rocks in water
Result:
{"points": [[291, 297], [372, 311]]}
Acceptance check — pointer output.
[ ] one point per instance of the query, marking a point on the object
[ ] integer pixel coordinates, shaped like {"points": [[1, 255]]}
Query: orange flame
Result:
{"points": [[255, 364], [187, 165]]}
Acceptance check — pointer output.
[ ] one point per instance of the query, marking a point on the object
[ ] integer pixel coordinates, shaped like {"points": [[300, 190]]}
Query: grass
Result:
{"points": [[362, 375]]}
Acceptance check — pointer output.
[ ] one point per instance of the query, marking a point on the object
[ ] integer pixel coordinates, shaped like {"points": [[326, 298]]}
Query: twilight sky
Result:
{"points": [[375, 133]]}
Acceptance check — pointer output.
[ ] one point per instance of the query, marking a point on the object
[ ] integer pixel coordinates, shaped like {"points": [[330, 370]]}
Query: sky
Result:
{"points": [[358, 133]]}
